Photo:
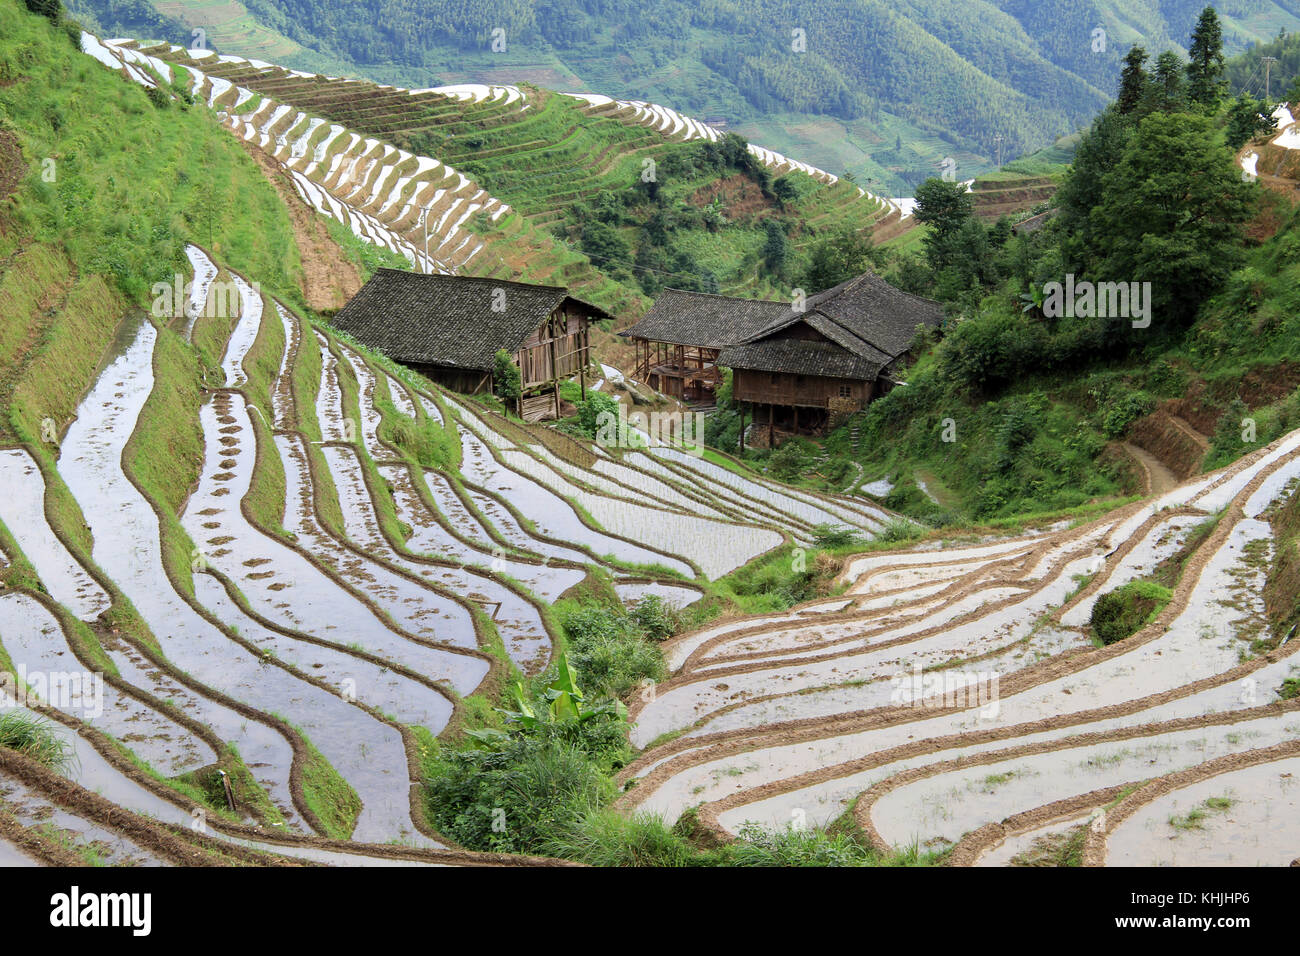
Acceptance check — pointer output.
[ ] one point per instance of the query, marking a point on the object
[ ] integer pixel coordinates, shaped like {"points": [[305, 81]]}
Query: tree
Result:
{"points": [[1247, 118], [1132, 80], [838, 258], [603, 244], [1171, 214], [1205, 80], [1082, 191], [942, 206], [1167, 90], [51, 9], [946, 208], [775, 250], [506, 380]]}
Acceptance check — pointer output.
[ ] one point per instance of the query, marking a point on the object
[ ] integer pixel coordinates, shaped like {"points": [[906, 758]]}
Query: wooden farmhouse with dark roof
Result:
{"points": [[831, 358], [450, 329], [797, 368]]}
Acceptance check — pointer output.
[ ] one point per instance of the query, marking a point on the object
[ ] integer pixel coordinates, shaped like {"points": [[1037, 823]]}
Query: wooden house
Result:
{"points": [[450, 328], [829, 359]]}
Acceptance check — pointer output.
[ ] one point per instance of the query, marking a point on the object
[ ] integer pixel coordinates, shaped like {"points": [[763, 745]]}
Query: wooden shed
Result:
{"points": [[450, 328]]}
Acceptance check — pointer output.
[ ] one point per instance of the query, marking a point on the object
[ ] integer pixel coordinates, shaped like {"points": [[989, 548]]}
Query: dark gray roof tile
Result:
{"points": [[448, 320]]}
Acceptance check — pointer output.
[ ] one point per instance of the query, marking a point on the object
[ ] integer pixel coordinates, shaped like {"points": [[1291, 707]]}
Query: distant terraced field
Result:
{"points": [[473, 178]]}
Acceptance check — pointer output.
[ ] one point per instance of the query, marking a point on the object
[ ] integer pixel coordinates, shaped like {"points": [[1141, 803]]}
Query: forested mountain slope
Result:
{"points": [[885, 90]]}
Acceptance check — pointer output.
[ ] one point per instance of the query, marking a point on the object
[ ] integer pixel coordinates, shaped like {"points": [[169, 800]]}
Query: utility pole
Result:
{"points": [[997, 142], [1268, 66], [427, 264]]}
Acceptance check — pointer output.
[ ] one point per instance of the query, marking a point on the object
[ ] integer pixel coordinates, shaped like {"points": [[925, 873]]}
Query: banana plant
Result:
{"points": [[567, 702]]}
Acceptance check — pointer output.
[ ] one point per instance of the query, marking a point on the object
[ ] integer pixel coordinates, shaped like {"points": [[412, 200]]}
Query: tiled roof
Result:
{"points": [[449, 320], [705, 320], [799, 357], [872, 310]]}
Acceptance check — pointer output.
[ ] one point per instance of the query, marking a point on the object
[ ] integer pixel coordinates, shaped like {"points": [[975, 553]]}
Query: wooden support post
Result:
{"points": [[555, 369], [742, 429], [230, 795], [771, 425]]}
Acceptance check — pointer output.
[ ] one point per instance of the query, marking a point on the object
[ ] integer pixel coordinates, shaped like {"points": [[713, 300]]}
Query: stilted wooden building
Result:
{"points": [[795, 369], [450, 328], [677, 342]]}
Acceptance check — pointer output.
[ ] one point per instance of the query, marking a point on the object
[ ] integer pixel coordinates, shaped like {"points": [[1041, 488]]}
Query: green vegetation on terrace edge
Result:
{"points": [[1017, 406], [890, 88], [536, 776], [38, 738], [1127, 609]]}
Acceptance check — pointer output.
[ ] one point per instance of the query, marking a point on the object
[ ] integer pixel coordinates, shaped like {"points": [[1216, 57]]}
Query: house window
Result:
{"points": [[846, 391]]}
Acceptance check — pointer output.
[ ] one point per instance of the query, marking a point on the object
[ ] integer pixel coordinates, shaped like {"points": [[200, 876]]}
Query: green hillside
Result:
{"points": [[600, 203], [1015, 409], [883, 90]]}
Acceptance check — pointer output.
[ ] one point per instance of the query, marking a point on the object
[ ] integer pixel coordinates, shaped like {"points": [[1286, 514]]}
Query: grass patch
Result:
{"points": [[1126, 610], [37, 739]]}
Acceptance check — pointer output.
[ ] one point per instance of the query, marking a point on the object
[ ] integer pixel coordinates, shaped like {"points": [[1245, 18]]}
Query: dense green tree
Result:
{"points": [[51, 9], [1132, 80], [1247, 118], [1167, 89], [603, 244], [1205, 80], [775, 249], [507, 382], [837, 258], [946, 208], [943, 206], [1083, 190], [1171, 213]]}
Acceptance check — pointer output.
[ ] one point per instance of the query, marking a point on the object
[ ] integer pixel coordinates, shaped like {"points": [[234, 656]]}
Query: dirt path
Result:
{"points": [[329, 278], [1157, 478]]}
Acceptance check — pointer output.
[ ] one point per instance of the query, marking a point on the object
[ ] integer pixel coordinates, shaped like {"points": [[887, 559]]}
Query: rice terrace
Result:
{"points": [[475, 473]]}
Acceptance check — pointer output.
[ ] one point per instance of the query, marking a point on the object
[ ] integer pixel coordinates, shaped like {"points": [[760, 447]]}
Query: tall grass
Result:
{"points": [[38, 739]]}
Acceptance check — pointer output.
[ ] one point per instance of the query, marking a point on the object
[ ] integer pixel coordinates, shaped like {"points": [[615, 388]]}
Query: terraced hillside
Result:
{"points": [[321, 600], [954, 698], [480, 179]]}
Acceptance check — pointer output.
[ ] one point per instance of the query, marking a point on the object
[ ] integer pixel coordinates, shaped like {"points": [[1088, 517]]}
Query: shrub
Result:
{"points": [[1126, 610], [612, 651], [898, 530], [591, 411], [52, 10], [657, 619], [507, 383], [760, 847], [521, 795], [833, 536], [787, 462]]}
